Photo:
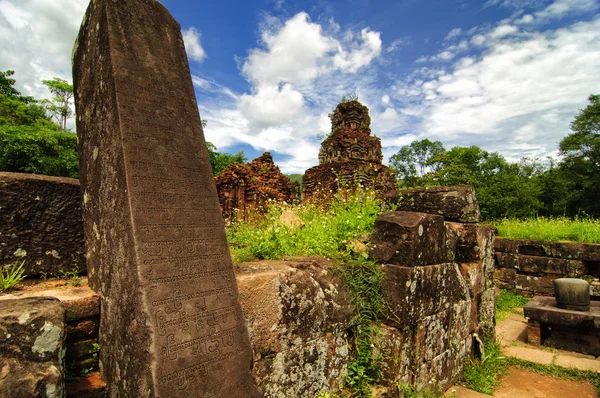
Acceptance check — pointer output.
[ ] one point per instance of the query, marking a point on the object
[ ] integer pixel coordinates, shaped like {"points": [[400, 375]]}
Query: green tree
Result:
{"points": [[581, 161], [7, 87], [219, 161], [413, 161], [60, 104]]}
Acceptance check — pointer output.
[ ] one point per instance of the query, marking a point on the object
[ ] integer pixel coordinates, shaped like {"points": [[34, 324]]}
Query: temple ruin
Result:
{"points": [[349, 156], [242, 187]]}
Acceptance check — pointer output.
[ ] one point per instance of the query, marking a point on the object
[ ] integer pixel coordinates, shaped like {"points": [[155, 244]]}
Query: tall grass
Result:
{"points": [[325, 230], [507, 302], [583, 230]]}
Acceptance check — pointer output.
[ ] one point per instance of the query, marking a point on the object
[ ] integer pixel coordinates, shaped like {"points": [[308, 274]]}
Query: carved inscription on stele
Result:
{"points": [[181, 249]]}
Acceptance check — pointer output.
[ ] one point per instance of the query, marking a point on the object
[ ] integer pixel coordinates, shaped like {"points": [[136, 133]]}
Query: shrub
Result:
{"points": [[27, 149], [11, 276]]}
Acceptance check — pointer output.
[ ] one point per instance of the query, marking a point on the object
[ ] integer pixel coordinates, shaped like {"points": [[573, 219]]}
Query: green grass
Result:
{"points": [[558, 372], [485, 375], [325, 230], [11, 276], [551, 229], [507, 302]]}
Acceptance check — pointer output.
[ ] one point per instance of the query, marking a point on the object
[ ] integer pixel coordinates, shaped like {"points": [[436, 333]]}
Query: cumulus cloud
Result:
{"points": [[191, 39], [37, 40], [518, 96], [454, 33]]}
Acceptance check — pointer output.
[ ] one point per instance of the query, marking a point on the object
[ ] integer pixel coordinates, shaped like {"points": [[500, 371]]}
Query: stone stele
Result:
{"points": [[155, 241]]}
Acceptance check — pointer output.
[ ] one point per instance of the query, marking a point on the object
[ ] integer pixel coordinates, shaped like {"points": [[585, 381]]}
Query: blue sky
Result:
{"points": [[507, 75]]}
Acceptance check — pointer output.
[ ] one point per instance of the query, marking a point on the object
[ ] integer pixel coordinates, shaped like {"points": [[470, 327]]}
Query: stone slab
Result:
{"points": [[529, 354], [156, 250], [544, 309], [541, 265], [454, 203], [535, 284], [571, 361]]}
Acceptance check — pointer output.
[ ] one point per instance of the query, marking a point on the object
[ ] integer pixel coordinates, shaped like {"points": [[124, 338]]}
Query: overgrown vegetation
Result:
{"points": [[407, 391], [484, 375], [364, 279], [551, 229], [325, 232], [11, 276], [507, 302]]}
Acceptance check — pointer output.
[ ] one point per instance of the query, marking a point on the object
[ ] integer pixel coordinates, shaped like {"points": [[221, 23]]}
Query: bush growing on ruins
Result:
{"points": [[348, 216]]}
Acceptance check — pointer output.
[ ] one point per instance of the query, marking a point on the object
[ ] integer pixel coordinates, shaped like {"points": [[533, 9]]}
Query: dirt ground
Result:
{"points": [[519, 383]]}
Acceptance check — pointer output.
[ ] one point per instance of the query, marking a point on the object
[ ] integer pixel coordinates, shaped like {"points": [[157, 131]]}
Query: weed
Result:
{"points": [[364, 281], [483, 376], [507, 302], [551, 229], [72, 276], [11, 276], [407, 391]]}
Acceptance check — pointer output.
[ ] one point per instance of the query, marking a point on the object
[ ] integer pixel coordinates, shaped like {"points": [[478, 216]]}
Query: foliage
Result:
{"points": [[507, 302], [413, 161], [581, 165], [364, 280], [325, 231], [11, 276], [296, 178], [219, 161], [407, 391], [349, 97], [29, 149], [7, 87], [60, 104], [585, 230], [16, 112], [484, 375]]}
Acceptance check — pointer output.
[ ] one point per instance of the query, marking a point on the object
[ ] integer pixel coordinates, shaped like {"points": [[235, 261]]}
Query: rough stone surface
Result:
{"points": [[541, 265], [349, 156], [154, 235], [244, 188], [454, 203], [505, 278], [90, 386], [31, 348], [413, 293], [409, 239], [534, 284], [298, 317], [40, 223]]}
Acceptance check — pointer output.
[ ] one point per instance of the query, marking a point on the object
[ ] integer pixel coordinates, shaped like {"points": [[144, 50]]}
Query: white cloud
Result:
{"points": [[271, 106], [478, 40], [360, 54], [37, 40], [561, 8], [385, 100], [503, 30], [519, 96], [191, 39], [454, 33]]}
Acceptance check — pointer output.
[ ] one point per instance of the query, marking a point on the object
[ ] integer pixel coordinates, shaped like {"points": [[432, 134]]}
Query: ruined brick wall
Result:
{"points": [[246, 187], [349, 156], [40, 223], [530, 266]]}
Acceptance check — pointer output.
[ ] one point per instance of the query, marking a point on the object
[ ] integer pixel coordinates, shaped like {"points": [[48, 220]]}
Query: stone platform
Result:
{"points": [[547, 320]]}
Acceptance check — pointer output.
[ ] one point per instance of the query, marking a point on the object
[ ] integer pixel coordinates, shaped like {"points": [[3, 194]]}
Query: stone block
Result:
{"points": [[31, 348], [82, 328], [533, 248], [535, 284], [40, 223], [413, 293], [88, 386], [487, 314], [505, 278], [576, 251], [474, 277], [454, 203], [81, 348], [432, 336], [504, 245], [474, 242], [298, 321], [545, 265], [459, 328], [409, 239], [398, 354]]}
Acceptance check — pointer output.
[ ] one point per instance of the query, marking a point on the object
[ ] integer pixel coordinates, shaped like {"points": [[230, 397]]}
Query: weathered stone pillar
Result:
{"points": [[155, 241]]}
